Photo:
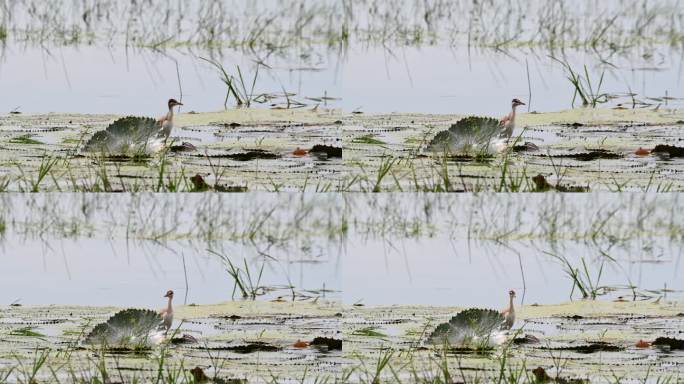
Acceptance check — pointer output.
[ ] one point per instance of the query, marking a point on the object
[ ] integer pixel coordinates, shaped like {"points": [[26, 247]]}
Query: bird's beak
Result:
{"points": [[521, 103]]}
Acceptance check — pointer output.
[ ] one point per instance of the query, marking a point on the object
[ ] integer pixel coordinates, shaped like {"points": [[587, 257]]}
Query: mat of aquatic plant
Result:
{"points": [[234, 151], [580, 342], [586, 341], [576, 150], [274, 150], [234, 342]]}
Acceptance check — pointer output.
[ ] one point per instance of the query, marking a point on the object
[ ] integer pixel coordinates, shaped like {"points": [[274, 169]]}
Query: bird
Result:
{"points": [[166, 121], [509, 313], [475, 328], [477, 135], [167, 313], [134, 135], [508, 122]]}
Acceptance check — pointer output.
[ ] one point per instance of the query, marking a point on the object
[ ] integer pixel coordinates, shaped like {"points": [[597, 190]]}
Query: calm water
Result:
{"points": [[137, 273], [430, 79], [443, 271], [442, 249], [107, 57]]}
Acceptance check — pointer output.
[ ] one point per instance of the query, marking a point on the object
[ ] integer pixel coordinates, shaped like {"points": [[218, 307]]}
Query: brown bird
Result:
{"points": [[166, 121], [507, 122], [167, 313], [509, 313]]}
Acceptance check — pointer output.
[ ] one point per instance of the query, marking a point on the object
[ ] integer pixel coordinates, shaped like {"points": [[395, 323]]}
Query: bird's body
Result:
{"points": [[166, 121], [134, 135], [475, 327], [509, 313], [475, 135], [507, 122], [167, 313]]}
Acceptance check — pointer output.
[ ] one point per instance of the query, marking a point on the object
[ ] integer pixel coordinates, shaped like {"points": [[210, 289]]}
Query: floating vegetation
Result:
{"points": [[25, 139], [472, 135], [128, 135], [473, 327], [367, 139], [130, 329], [26, 331]]}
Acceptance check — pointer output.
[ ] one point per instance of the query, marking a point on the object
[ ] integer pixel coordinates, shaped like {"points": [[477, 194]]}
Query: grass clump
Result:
{"points": [[25, 139], [368, 139], [26, 332]]}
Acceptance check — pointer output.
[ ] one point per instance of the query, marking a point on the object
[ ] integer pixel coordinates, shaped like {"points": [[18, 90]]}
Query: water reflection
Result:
{"points": [[442, 249], [377, 56]]}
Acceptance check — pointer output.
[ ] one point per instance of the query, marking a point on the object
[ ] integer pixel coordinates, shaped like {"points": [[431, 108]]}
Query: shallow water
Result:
{"points": [[441, 271], [430, 79], [436, 249], [391, 60]]}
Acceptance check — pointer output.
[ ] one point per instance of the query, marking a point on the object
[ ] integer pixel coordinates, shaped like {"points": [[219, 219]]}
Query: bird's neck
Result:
{"points": [[513, 112], [510, 305], [169, 116], [169, 308]]}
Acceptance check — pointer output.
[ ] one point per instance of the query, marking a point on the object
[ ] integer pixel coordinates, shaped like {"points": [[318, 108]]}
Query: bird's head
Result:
{"points": [[174, 102], [169, 294], [517, 102], [511, 293]]}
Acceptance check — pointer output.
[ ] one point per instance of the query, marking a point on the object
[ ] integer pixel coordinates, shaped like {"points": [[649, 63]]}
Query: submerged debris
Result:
{"points": [[330, 343], [670, 150], [198, 183], [199, 375], [527, 339], [642, 152], [542, 377], [247, 348], [527, 147], [185, 339], [591, 155], [598, 346], [328, 150], [542, 185], [299, 152], [669, 342], [246, 156], [183, 147]]}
